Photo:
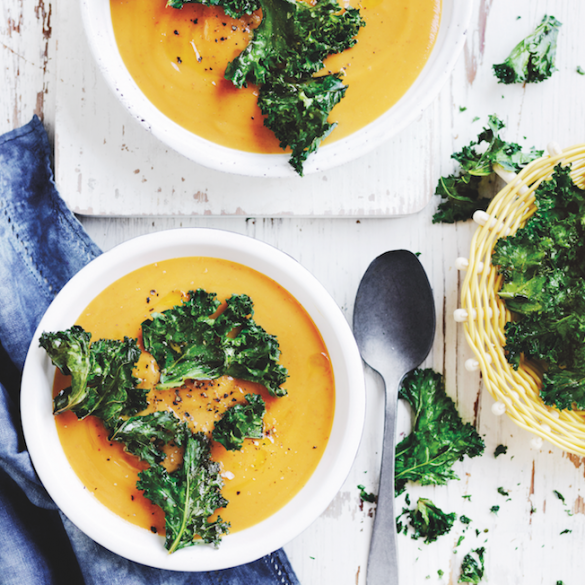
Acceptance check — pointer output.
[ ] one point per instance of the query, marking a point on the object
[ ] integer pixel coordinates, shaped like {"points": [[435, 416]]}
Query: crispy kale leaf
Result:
{"points": [[241, 421], [188, 496], [297, 112], [183, 341], [461, 192], [102, 380], [543, 268], [286, 50], [472, 567], [188, 343], [144, 435], [252, 353], [233, 8], [293, 39], [533, 59], [439, 437], [429, 521]]}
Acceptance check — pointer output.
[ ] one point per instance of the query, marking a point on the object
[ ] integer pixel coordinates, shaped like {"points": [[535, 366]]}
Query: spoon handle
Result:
{"points": [[383, 556]]}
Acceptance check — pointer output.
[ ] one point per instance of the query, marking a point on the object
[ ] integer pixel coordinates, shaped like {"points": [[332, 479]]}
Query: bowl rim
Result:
{"points": [[454, 22], [116, 533]]}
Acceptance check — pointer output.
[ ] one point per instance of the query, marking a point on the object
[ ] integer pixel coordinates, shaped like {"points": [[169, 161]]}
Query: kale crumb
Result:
{"points": [[366, 496], [500, 450]]}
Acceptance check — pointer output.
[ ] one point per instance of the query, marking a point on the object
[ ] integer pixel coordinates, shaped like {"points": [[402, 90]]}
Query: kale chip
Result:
{"points": [[233, 8], [297, 112], [189, 344], [144, 435], [102, 380], [188, 496], [543, 268], [460, 193], [239, 422], [533, 59], [439, 437], [429, 521]]}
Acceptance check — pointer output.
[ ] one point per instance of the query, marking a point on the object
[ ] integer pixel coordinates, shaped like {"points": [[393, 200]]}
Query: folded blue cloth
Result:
{"points": [[42, 245]]}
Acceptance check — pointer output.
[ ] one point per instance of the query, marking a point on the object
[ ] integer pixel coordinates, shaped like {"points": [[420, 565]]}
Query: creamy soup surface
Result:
{"points": [[178, 59], [268, 472]]}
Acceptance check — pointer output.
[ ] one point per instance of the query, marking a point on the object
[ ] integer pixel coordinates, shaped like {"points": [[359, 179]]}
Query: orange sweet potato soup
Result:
{"points": [[267, 472], [178, 59]]}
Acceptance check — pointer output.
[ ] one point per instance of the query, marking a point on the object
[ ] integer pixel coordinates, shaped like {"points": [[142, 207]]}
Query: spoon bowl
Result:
{"points": [[394, 326]]}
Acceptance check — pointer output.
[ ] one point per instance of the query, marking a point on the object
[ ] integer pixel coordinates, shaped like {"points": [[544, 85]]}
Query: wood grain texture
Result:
{"points": [[524, 544], [27, 51]]}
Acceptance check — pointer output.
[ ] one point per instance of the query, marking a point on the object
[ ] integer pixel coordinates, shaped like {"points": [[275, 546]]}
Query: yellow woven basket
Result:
{"points": [[484, 314]]}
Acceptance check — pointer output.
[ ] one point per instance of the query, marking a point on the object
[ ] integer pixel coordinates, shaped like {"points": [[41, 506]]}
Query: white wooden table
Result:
{"points": [[524, 544]]}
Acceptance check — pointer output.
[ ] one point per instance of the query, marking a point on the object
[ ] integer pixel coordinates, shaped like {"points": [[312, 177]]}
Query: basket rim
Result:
{"points": [[516, 392]]}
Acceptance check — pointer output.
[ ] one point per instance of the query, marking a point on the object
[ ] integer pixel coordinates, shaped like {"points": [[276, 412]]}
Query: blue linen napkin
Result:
{"points": [[42, 245]]}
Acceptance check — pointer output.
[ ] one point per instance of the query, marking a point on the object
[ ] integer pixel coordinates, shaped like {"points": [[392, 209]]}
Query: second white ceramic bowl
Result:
{"points": [[138, 544]]}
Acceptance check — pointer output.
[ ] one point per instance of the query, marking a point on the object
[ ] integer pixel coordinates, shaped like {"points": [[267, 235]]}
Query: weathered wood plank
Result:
{"points": [[27, 53]]}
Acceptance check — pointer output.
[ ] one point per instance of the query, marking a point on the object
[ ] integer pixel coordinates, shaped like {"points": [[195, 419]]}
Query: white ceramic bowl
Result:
{"points": [[455, 17], [141, 545]]}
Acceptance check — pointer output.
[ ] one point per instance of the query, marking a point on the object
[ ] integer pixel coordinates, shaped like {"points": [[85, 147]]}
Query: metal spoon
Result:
{"points": [[394, 325]]}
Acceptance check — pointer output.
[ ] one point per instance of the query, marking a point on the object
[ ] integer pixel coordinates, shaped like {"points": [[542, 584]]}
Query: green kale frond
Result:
{"points": [[438, 438], [233, 8], [460, 193], [102, 380], [429, 521], [239, 422], [543, 268], [189, 344], [472, 567], [297, 112], [533, 59]]}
